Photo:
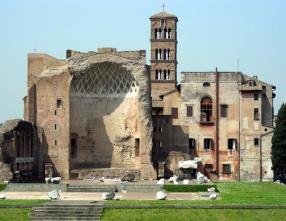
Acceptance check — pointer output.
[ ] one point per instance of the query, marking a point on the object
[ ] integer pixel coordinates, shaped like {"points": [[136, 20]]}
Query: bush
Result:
{"points": [[278, 150], [189, 188], [2, 186]]}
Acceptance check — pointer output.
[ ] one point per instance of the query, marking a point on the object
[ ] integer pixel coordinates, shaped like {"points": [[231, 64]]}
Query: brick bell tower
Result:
{"points": [[163, 54]]}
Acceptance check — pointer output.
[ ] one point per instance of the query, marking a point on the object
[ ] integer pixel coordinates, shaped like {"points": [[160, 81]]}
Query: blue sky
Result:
{"points": [[211, 33]]}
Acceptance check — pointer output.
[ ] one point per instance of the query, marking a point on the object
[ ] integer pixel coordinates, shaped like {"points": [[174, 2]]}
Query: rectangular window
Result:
{"points": [[137, 147], [207, 143], [55, 126], [223, 110], [56, 142], [59, 103], [192, 143], [232, 144], [55, 112], [256, 114], [174, 112], [256, 96], [189, 111], [256, 141], [226, 168], [73, 148]]}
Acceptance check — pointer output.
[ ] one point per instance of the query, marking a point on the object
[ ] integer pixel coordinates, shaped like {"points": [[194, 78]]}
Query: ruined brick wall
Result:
{"points": [[114, 116], [37, 62], [53, 120], [111, 129]]}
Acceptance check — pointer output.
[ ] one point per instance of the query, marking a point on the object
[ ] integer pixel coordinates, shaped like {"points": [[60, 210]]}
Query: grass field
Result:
{"points": [[14, 214], [233, 193], [17, 214], [22, 202], [193, 215]]}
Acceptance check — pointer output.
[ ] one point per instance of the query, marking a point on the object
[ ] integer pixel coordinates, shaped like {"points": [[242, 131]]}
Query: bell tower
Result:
{"points": [[163, 54]]}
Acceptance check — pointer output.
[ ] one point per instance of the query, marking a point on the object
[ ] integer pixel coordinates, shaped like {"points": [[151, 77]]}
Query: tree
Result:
{"points": [[278, 150]]}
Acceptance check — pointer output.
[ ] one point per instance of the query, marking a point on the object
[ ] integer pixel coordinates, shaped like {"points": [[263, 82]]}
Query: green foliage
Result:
{"points": [[278, 150], [188, 188], [2, 186]]}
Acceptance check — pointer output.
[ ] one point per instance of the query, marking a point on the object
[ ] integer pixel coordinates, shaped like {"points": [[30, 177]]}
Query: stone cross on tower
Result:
{"points": [[163, 6]]}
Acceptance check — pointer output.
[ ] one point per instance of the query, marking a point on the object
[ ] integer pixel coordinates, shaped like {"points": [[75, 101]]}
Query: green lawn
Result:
{"points": [[233, 193], [193, 215], [22, 202], [17, 214], [14, 214]]}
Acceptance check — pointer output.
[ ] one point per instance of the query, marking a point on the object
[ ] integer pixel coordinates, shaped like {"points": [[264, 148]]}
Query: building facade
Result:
{"points": [[108, 113], [223, 118]]}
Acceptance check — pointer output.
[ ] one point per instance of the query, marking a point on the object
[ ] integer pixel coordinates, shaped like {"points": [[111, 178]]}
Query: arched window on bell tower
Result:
{"points": [[156, 33], [160, 54], [168, 75], [165, 74], [165, 33], [168, 54], [169, 33]]}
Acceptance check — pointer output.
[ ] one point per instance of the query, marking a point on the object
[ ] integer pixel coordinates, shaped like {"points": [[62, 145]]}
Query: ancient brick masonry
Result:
{"points": [[93, 111]]}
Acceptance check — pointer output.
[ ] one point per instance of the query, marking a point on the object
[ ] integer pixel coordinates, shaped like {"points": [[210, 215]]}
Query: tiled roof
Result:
{"points": [[163, 15]]}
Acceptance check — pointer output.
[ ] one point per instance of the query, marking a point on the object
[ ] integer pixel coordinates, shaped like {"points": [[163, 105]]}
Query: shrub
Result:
{"points": [[188, 188], [2, 186], [278, 151]]}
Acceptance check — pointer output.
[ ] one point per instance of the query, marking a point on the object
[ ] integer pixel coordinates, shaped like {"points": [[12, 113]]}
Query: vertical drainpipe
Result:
{"points": [[217, 122]]}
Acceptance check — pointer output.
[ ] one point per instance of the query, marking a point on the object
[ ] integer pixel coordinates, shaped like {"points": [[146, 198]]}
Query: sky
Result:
{"points": [[211, 33]]}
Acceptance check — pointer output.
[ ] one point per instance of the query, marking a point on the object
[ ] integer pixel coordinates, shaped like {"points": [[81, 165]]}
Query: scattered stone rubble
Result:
{"points": [[160, 195], [108, 196], [128, 177], [54, 195]]}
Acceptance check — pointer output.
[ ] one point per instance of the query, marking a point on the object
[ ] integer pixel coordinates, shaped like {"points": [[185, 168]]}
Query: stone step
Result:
{"points": [[64, 218], [81, 207], [67, 211], [91, 189]]}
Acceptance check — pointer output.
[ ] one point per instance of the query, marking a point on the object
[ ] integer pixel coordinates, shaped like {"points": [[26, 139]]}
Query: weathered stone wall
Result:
{"points": [[17, 150], [53, 121], [252, 129], [118, 118], [112, 128]]}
